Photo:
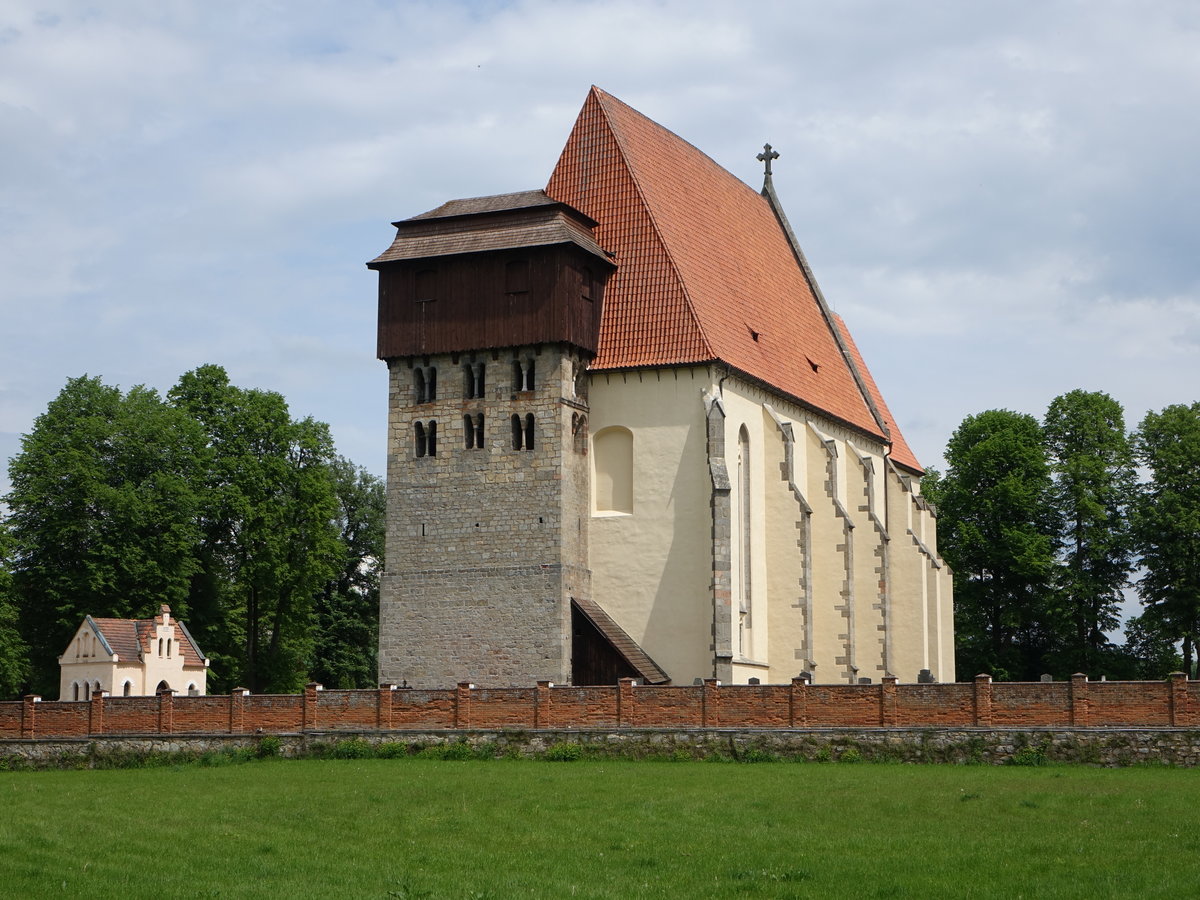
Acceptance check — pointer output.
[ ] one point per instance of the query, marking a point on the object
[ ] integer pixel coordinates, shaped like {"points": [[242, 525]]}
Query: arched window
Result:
{"points": [[192, 690], [160, 646], [420, 442], [479, 431], [95, 686], [518, 434], [523, 372], [430, 384], [75, 690], [529, 431], [612, 455], [127, 689], [169, 642], [162, 686], [472, 381], [743, 536], [426, 285], [469, 431], [418, 385]]}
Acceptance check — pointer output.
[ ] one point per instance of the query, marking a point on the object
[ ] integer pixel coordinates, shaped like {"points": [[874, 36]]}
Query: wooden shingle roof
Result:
{"points": [[706, 270], [648, 670]]}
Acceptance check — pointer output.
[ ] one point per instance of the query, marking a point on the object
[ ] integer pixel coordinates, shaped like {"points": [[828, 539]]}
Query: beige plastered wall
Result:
{"points": [[843, 577]]}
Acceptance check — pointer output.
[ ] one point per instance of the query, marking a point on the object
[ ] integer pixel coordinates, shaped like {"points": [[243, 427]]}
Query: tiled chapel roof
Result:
{"points": [[705, 270], [130, 639]]}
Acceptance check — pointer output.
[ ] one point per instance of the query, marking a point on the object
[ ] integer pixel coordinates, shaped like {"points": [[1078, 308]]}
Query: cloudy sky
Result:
{"points": [[1001, 199]]}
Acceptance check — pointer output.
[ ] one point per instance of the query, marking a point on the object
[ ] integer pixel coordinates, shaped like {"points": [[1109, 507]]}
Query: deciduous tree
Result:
{"points": [[1167, 522], [103, 514], [1091, 458], [997, 530]]}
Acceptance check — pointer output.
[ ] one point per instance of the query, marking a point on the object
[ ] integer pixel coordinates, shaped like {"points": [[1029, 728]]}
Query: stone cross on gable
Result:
{"points": [[766, 156]]}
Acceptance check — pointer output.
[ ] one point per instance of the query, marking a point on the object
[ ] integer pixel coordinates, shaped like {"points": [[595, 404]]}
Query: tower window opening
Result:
{"points": [[431, 438], [473, 381], [422, 444], [424, 384], [479, 431], [529, 431], [518, 434], [523, 375]]}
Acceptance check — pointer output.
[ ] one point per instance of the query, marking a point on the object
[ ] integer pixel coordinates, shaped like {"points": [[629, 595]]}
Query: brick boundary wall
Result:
{"points": [[1079, 703]]}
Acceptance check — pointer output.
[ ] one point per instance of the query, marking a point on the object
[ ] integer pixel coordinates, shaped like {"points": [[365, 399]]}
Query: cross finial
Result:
{"points": [[766, 156]]}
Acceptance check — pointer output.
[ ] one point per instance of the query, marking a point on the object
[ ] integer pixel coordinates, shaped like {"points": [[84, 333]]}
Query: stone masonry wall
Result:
{"points": [[486, 538]]}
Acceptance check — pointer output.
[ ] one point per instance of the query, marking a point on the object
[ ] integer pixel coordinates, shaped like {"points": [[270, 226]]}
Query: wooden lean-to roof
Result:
{"points": [[707, 270]]}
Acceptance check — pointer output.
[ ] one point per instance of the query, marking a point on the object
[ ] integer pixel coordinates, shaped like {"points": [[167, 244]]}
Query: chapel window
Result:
{"points": [[160, 646], [612, 466], [127, 689], [168, 648], [192, 690]]}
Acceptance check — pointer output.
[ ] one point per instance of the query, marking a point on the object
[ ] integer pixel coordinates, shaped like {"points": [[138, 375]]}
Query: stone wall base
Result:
{"points": [[1091, 746]]}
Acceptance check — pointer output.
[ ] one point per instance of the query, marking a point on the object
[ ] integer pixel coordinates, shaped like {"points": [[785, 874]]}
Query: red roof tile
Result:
{"points": [[705, 269], [130, 638]]}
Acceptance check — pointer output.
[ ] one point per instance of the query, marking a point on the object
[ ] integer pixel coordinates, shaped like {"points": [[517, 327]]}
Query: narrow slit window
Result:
{"points": [[431, 384], [419, 437], [529, 431], [479, 431], [418, 385], [529, 375], [431, 438], [468, 432], [518, 433]]}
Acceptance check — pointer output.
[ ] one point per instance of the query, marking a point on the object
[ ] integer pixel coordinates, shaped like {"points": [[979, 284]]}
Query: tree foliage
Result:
{"points": [[103, 514], [997, 530], [14, 655], [1167, 523], [213, 500], [347, 607], [1091, 457]]}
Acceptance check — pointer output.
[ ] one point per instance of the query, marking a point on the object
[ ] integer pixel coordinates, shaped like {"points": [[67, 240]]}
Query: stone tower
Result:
{"points": [[489, 312]]}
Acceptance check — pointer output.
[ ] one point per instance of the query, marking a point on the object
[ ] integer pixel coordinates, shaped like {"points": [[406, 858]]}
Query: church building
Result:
{"points": [[628, 436]]}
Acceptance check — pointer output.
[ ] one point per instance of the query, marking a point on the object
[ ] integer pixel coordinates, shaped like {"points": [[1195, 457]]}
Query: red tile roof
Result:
{"points": [[131, 638], [705, 271]]}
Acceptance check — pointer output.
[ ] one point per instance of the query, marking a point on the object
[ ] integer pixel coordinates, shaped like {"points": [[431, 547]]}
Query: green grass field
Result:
{"points": [[413, 828]]}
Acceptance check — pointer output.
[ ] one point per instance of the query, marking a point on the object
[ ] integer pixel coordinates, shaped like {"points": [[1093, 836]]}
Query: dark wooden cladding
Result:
{"points": [[477, 301]]}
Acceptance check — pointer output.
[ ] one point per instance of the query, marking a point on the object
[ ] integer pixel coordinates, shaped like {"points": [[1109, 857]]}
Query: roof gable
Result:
{"points": [[706, 270]]}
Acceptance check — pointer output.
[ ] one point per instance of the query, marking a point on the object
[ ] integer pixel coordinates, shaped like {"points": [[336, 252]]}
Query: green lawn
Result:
{"points": [[425, 828]]}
